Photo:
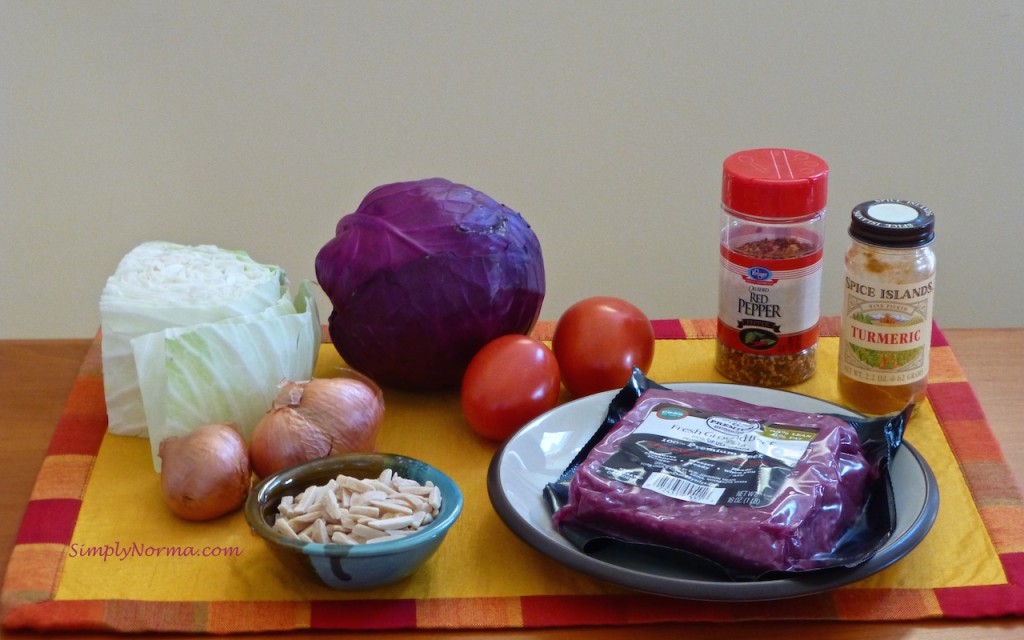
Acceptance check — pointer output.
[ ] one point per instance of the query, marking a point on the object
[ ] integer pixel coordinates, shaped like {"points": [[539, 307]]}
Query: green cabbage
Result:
{"points": [[193, 335]]}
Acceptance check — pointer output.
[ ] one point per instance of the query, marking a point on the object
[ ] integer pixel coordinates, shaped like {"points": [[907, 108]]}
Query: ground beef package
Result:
{"points": [[752, 490]]}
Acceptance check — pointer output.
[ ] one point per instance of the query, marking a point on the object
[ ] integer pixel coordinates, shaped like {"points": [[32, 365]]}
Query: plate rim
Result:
{"points": [[710, 590]]}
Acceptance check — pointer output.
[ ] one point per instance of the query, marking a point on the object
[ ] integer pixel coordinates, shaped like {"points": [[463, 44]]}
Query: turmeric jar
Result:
{"points": [[887, 306]]}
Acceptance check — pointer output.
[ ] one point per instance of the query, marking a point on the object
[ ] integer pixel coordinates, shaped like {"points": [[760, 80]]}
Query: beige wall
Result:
{"points": [[257, 125]]}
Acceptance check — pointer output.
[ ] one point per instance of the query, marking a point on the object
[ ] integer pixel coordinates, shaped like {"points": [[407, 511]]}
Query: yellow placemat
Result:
{"points": [[126, 563]]}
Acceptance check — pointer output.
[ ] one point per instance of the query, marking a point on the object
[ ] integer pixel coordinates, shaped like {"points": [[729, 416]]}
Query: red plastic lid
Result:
{"points": [[774, 183]]}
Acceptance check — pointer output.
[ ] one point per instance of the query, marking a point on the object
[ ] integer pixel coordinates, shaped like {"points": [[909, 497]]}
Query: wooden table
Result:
{"points": [[36, 377]]}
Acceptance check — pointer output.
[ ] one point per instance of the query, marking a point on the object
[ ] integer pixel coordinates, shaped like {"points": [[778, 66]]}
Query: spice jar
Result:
{"points": [[772, 238], [887, 306]]}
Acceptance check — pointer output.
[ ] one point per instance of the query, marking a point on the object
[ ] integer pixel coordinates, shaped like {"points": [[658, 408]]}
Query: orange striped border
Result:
{"points": [[37, 558]]}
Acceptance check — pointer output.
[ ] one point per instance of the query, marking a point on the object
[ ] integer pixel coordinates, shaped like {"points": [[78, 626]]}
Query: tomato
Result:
{"points": [[598, 341], [510, 381]]}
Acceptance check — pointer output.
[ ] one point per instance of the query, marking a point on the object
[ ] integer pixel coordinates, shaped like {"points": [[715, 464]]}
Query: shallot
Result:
{"points": [[206, 473], [315, 418]]}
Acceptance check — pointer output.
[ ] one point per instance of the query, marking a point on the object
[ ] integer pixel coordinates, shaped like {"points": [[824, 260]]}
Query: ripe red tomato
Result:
{"points": [[598, 341], [510, 381]]}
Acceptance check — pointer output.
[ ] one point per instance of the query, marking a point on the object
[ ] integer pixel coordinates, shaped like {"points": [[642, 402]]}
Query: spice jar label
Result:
{"points": [[887, 331], [769, 305]]}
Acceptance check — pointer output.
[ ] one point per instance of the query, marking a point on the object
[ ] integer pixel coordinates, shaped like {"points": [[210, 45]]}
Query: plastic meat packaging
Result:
{"points": [[749, 489]]}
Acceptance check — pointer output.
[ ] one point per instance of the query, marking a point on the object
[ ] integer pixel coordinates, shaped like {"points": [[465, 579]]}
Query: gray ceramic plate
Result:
{"points": [[539, 452]]}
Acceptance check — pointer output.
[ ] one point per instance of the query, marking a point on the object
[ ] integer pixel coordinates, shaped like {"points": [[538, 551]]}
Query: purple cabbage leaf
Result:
{"points": [[422, 275]]}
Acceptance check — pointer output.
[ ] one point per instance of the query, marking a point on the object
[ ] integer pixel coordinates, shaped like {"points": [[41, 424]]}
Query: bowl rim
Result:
{"points": [[451, 508]]}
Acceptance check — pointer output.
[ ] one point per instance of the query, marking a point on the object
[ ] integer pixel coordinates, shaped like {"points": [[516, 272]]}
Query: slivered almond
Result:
{"points": [[348, 510]]}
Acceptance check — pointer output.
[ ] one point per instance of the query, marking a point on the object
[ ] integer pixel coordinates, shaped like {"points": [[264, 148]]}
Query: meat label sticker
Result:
{"points": [[708, 458]]}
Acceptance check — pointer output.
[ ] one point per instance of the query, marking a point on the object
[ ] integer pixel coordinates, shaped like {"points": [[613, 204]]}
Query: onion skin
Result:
{"points": [[283, 438], [205, 474], [315, 418]]}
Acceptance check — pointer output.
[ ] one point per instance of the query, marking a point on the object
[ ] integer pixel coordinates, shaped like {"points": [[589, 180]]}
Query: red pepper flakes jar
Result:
{"points": [[772, 239]]}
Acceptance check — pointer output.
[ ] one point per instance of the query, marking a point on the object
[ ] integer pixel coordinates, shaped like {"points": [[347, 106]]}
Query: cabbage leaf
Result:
{"points": [[227, 371], [193, 335]]}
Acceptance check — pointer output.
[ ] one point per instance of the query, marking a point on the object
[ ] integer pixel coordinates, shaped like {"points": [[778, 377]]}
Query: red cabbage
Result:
{"points": [[422, 275]]}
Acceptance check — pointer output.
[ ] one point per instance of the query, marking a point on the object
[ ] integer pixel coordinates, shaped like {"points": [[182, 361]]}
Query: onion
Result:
{"points": [[206, 473], [315, 418], [284, 437]]}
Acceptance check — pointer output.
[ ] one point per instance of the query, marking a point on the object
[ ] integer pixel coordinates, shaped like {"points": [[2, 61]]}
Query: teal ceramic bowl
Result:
{"points": [[356, 566]]}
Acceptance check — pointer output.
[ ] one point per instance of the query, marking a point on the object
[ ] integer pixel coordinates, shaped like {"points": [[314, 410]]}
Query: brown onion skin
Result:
{"points": [[316, 418], [206, 473], [283, 438], [355, 430]]}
